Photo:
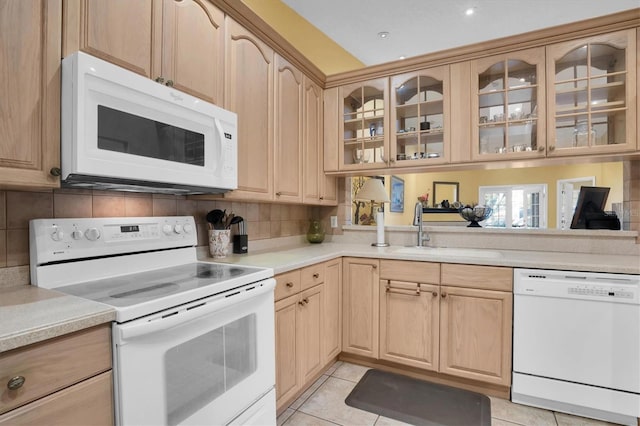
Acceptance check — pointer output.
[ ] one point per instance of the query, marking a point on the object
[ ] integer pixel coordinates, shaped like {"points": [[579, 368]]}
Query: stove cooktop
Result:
{"points": [[138, 294]]}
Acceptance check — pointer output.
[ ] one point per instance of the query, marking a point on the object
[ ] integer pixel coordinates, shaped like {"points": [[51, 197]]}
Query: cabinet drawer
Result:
{"points": [[403, 270], [287, 284], [54, 364], [312, 275], [87, 403], [474, 276]]}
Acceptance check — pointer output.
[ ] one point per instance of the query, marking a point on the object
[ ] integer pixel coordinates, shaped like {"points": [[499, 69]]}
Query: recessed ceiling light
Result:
{"points": [[470, 11], [383, 34]]}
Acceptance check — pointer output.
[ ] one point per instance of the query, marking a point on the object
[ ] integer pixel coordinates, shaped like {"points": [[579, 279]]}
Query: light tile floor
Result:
{"points": [[323, 404]]}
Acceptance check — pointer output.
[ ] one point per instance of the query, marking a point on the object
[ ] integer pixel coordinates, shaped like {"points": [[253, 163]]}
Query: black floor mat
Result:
{"points": [[418, 402]]}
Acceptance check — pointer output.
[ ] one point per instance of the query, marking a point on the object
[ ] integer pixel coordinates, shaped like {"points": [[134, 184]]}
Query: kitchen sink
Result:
{"points": [[449, 252]]}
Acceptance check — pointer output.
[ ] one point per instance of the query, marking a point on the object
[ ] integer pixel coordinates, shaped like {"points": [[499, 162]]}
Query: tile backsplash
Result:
{"points": [[263, 220]]}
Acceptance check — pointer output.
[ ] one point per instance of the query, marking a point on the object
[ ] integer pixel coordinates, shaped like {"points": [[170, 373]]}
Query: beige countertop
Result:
{"points": [[31, 314], [284, 259]]}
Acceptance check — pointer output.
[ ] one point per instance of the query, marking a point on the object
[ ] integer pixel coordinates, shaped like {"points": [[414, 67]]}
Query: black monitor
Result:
{"points": [[592, 199]]}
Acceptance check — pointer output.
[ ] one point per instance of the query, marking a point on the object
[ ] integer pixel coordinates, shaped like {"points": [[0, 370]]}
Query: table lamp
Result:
{"points": [[373, 191]]}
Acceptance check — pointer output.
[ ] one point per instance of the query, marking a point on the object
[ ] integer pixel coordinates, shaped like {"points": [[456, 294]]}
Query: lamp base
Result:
{"points": [[379, 244]]}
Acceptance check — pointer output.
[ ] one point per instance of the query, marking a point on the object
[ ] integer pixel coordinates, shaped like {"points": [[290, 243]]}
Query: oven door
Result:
{"points": [[201, 363]]}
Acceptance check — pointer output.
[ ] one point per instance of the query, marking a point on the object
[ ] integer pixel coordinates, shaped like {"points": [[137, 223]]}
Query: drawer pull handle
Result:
{"points": [[404, 291], [16, 383], [289, 284], [316, 275]]}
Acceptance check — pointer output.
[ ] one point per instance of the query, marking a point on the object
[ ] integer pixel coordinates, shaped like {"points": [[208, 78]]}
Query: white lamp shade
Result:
{"points": [[373, 190]]}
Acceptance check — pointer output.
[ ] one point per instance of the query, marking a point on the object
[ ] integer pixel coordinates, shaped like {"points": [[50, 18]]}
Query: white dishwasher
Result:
{"points": [[576, 343]]}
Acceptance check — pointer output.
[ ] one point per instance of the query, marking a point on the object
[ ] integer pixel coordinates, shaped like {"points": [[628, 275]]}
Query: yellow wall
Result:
{"points": [[310, 41], [606, 174]]}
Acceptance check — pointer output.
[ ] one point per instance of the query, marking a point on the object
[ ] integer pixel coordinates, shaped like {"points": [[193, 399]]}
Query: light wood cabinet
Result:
{"points": [[508, 106], [287, 375], [288, 131], [30, 102], [420, 118], [59, 379], [360, 306], [363, 129], [447, 318], [309, 329], [249, 92], [177, 43], [409, 313], [317, 187], [332, 321], [307, 323], [591, 84], [476, 323]]}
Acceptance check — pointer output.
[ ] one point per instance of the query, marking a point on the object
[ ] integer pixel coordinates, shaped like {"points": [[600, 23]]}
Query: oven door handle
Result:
{"points": [[130, 331]]}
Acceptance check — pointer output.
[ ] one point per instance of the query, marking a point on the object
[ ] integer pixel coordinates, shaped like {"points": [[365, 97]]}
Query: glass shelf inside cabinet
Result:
{"points": [[419, 124], [590, 97], [508, 105], [363, 123]]}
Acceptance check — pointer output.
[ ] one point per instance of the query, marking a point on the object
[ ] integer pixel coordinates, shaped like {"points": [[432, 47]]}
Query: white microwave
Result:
{"points": [[122, 131]]}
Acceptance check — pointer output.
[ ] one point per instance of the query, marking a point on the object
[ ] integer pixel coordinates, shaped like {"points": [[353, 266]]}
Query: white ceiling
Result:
{"points": [[417, 27]]}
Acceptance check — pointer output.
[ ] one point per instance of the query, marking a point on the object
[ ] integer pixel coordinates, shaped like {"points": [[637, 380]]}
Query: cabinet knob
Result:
{"points": [[278, 194], [321, 197], [374, 266], [169, 83], [444, 295], [541, 149], [435, 294], [160, 80], [16, 382], [301, 303], [55, 171], [316, 275], [305, 300], [289, 284], [552, 148], [392, 160]]}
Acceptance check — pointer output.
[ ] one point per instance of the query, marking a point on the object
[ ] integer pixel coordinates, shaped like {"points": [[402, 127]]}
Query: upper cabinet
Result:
{"points": [[420, 118], [249, 93], [30, 101], [507, 106], [177, 43], [288, 131], [591, 85], [363, 126]]}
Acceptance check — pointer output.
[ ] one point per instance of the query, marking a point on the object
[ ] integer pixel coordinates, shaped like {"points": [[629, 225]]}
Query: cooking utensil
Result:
{"points": [[214, 217], [235, 220]]}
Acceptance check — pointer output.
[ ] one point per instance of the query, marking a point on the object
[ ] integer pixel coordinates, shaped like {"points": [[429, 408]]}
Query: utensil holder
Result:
{"points": [[219, 242], [240, 244]]}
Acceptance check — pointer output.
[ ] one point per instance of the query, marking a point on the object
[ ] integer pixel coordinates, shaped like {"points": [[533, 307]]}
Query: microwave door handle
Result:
{"points": [[130, 331], [221, 139]]}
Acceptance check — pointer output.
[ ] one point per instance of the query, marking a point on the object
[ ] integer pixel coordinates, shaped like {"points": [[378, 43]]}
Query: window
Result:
{"points": [[515, 206]]}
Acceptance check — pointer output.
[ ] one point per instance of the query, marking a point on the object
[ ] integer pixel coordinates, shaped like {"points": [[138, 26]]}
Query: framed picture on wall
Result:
{"points": [[397, 195]]}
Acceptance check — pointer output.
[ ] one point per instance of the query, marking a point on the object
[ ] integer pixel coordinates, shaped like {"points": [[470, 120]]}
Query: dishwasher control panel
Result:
{"points": [[596, 290], [594, 286]]}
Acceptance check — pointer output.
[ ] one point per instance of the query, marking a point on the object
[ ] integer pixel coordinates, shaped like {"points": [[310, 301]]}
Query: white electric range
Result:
{"points": [[193, 342]]}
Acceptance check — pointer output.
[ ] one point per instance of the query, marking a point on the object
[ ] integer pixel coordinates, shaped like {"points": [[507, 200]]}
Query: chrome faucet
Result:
{"points": [[417, 221]]}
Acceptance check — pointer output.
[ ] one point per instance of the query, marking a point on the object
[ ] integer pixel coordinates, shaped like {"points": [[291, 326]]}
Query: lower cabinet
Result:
{"points": [[62, 381], [447, 318], [307, 324], [360, 300]]}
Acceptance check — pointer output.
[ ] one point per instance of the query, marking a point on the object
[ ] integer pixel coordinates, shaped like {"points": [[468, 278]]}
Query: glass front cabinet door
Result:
{"points": [[420, 118], [591, 88], [507, 104], [365, 139]]}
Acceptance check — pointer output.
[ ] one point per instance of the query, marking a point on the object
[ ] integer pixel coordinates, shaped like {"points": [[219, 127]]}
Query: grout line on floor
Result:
{"points": [[310, 415]]}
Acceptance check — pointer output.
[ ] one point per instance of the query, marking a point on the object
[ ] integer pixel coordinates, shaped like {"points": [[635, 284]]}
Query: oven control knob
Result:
{"points": [[177, 229], [92, 234], [188, 228], [57, 234], [167, 229], [77, 235]]}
